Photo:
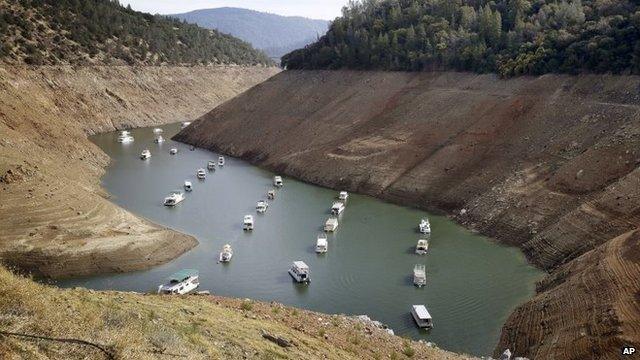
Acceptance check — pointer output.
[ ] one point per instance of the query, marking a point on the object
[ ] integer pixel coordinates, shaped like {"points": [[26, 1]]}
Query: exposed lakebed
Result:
{"points": [[472, 282]]}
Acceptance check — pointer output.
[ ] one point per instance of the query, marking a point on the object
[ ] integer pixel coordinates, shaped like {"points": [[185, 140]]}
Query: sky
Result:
{"points": [[315, 9]]}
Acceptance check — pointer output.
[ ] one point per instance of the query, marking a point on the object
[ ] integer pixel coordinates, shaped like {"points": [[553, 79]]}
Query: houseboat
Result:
{"points": [[226, 254], [201, 174], [211, 165], [337, 208], [125, 139], [180, 283], [421, 316], [331, 225], [175, 198], [262, 206], [145, 154], [422, 246], [185, 124], [247, 223], [158, 131], [173, 151], [221, 161], [343, 196], [159, 139], [425, 226], [321, 244], [271, 194], [188, 186], [299, 271], [419, 275], [277, 181]]}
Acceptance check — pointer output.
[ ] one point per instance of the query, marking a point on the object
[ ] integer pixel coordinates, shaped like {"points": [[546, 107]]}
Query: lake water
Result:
{"points": [[473, 283]]}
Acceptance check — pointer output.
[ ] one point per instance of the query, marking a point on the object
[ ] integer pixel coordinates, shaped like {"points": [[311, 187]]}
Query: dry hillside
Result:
{"points": [[549, 164]]}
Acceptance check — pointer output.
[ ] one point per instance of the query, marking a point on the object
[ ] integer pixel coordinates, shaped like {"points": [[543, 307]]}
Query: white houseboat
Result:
{"points": [[343, 196], [331, 224], [158, 131], [299, 271], [421, 316], [180, 283], [247, 223], [425, 226], [125, 133], [322, 246], [125, 139], [175, 198], [173, 151], [185, 124], [221, 161], [277, 181], [145, 154], [211, 165], [226, 254], [419, 275], [422, 246], [201, 174], [159, 139], [271, 194], [262, 206], [188, 186], [337, 208]]}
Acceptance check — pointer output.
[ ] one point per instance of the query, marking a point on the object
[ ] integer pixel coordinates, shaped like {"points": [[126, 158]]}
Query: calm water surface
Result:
{"points": [[473, 283]]}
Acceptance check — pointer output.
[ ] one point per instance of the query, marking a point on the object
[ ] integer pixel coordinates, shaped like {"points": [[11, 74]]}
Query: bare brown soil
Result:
{"points": [[549, 164], [55, 220]]}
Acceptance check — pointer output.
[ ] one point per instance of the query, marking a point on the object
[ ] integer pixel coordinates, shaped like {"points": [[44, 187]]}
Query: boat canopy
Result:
{"points": [[422, 312], [300, 265], [183, 275]]}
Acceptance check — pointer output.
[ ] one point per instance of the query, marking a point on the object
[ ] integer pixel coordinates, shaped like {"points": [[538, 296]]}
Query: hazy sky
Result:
{"points": [[316, 9]]}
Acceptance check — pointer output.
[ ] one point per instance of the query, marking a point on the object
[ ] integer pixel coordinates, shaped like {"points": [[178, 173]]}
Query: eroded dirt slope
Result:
{"points": [[55, 219], [549, 164]]}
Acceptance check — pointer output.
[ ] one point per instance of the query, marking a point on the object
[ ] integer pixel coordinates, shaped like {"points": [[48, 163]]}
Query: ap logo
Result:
{"points": [[628, 350]]}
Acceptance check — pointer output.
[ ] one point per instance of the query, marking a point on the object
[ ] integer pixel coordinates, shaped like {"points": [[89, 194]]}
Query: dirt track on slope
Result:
{"points": [[549, 164], [55, 220]]}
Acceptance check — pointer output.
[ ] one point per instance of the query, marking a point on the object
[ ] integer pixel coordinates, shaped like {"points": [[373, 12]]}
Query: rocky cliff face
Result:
{"points": [[54, 218], [549, 164]]}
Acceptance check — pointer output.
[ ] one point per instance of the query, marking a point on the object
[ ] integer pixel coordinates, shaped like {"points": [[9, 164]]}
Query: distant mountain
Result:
{"points": [[274, 34]]}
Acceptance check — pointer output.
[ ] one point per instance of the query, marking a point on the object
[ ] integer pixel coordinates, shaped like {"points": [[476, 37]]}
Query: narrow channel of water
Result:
{"points": [[473, 283]]}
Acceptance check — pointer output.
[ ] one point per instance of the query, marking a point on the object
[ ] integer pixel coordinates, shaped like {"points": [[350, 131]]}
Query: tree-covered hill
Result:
{"points": [[510, 37], [104, 32], [274, 34]]}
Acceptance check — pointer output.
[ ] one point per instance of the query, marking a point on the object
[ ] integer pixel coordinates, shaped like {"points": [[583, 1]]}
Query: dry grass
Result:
{"points": [[142, 326]]}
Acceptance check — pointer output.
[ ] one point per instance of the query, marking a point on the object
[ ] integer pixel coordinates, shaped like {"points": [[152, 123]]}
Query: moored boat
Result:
{"points": [[262, 206], [331, 225], [201, 174], [247, 223], [419, 275], [337, 208], [175, 198], [422, 246], [425, 226], [277, 181], [182, 282], [226, 254], [299, 271], [188, 186], [322, 246], [146, 154], [421, 316]]}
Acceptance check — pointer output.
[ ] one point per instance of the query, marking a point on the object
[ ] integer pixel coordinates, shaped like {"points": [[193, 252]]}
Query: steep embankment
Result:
{"points": [[136, 326], [54, 218], [549, 164]]}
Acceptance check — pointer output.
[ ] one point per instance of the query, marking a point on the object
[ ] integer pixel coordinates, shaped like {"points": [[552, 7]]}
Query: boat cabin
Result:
{"points": [[182, 282], [211, 165], [419, 275], [221, 161], [173, 151], [421, 316], [201, 174], [271, 194], [322, 245], [262, 206], [277, 181], [299, 271], [247, 223], [331, 224], [422, 247], [188, 186], [145, 154], [343, 195], [337, 208], [425, 226]]}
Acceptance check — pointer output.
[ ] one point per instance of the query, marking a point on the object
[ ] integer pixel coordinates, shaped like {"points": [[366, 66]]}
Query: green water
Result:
{"points": [[473, 283]]}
